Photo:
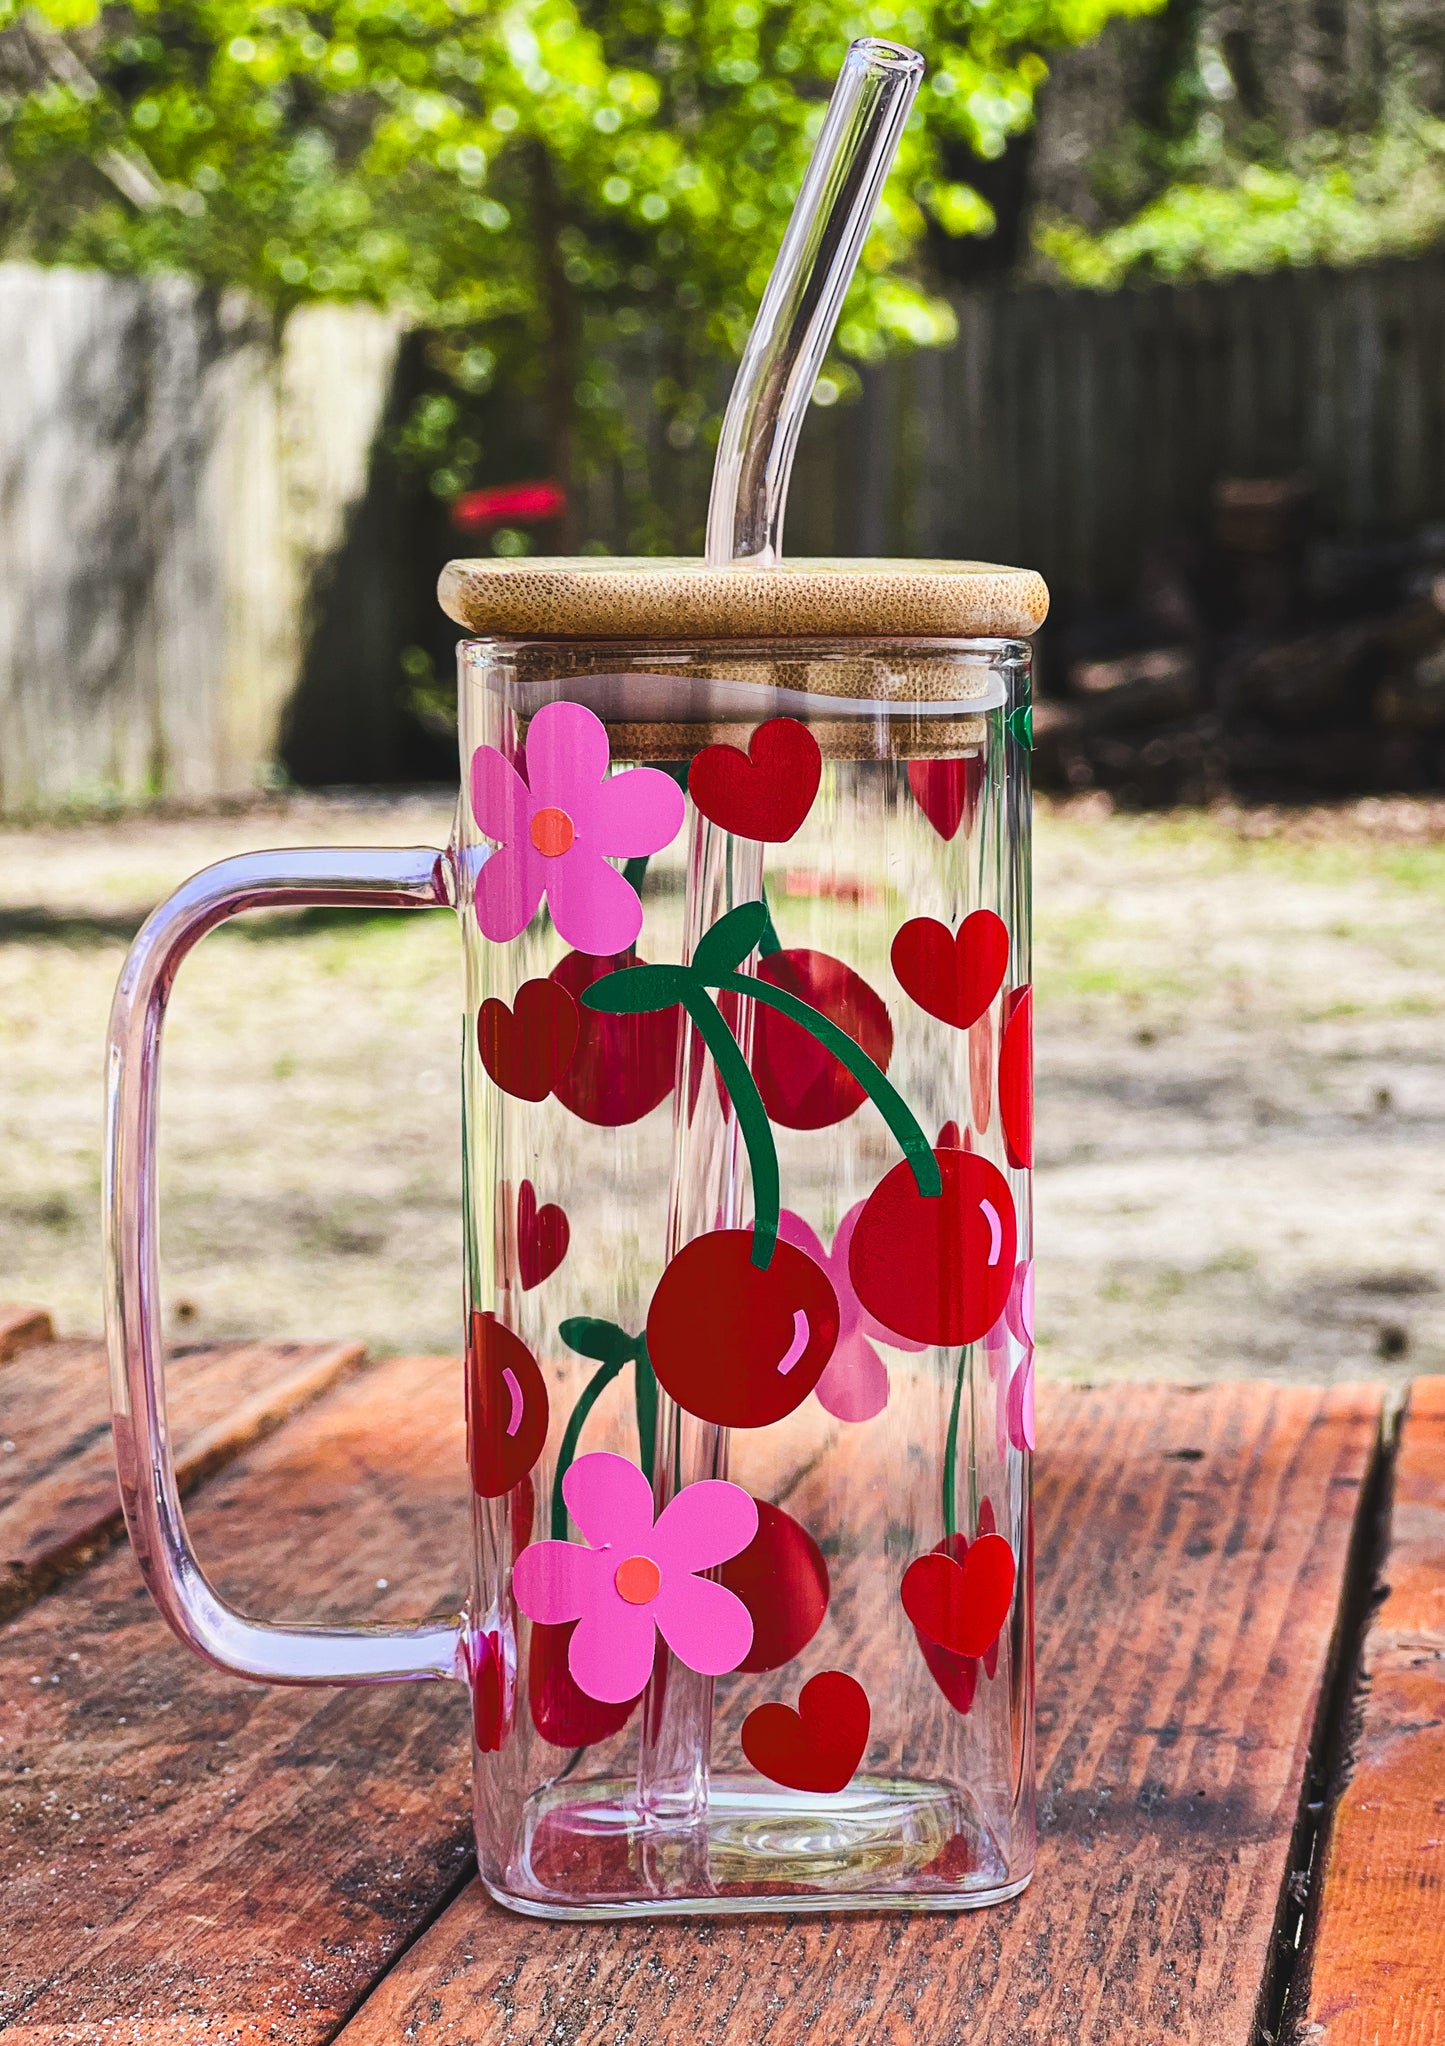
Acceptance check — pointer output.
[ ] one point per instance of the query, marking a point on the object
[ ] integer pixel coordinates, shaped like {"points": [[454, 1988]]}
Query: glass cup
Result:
{"points": [[748, 1134]]}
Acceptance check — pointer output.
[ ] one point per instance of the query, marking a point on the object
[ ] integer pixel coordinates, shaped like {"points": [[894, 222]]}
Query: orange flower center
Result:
{"points": [[552, 832], [638, 1580]]}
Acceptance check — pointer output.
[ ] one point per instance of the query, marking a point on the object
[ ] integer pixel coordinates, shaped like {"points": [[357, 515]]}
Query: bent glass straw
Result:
{"points": [[871, 101]]}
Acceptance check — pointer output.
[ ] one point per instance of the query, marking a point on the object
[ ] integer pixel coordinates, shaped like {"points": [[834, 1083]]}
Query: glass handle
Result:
{"points": [[417, 878]]}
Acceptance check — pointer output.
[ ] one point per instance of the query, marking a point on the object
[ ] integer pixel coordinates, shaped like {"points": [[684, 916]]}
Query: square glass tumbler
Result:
{"points": [[747, 1087]]}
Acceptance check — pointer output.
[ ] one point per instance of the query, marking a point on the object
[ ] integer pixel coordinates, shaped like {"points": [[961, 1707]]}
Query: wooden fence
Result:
{"points": [[172, 481], [1072, 430]]}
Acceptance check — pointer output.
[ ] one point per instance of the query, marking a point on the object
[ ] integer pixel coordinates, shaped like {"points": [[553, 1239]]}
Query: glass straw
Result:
{"points": [[770, 396]]}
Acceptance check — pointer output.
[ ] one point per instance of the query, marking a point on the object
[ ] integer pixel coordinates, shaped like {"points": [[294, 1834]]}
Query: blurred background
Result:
{"points": [[297, 302]]}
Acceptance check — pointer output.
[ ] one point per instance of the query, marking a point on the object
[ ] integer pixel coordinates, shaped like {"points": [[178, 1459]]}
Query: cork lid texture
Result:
{"points": [[648, 599]]}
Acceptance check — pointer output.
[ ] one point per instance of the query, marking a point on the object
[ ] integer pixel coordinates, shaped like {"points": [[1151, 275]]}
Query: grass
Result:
{"points": [[1237, 1029]]}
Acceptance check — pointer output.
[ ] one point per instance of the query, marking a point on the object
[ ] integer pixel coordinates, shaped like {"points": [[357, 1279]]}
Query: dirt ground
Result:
{"points": [[1241, 1090]]}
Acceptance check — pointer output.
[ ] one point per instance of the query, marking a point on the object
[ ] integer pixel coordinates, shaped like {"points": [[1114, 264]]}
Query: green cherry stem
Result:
{"points": [[615, 1349], [901, 1120], [644, 1399], [752, 1120], [639, 989], [950, 1452], [769, 942], [596, 1385]]}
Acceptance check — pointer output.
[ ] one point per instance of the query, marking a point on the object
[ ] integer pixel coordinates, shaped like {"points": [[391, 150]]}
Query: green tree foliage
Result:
{"points": [[1282, 135], [528, 180]]}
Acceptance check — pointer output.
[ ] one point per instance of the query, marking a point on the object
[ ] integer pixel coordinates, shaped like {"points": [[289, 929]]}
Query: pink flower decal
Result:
{"points": [[1014, 1380], [854, 1385], [630, 1580], [1021, 1404], [556, 830]]}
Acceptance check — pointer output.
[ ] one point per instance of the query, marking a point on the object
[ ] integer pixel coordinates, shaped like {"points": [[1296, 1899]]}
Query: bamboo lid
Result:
{"points": [[602, 598]]}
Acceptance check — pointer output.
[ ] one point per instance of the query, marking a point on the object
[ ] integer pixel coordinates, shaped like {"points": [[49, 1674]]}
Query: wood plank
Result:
{"points": [[1378, 1970], [20, 1327], [1193, 1547], [59, 1504], [192, 1858]]}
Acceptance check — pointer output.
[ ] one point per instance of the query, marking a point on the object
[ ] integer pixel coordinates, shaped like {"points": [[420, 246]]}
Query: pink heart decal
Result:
{"points": [[954, 975], [962, 1606], [764, 793], [542, 1237]]}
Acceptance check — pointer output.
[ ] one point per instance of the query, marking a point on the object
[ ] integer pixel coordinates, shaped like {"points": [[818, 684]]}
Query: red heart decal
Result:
{"points": [[490, 1714], [506, 1408], [819, 1746], [764, 793], [947, 791], [542, 1237], [954, 975], [955, 1675], [1016, 1076], [986, 1525], [962, 1606], [526, 1049]]}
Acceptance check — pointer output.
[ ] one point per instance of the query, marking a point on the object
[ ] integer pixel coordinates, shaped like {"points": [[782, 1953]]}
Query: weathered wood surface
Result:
{"points": [[1378, 1973], [59, 1504], [187, 1857], [1192, 1559], [20, 1327]]}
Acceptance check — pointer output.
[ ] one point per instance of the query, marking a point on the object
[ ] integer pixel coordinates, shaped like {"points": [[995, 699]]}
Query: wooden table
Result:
{"points": [[1241, 1619]]}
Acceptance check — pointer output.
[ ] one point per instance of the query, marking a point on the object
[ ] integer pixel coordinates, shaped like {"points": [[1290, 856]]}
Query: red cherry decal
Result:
{"points": [[953, 975], [736, 1346], [623, 1066], [542, 1237], [489, 1694], [764, 793], [782, 1579], [561, 1712], [961, 1605], [947, 791], [506, 1408], [819, 1746], [1016, 1077], [526, 1048], [937, 1269], [522, 1507], [803, 1086]]}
